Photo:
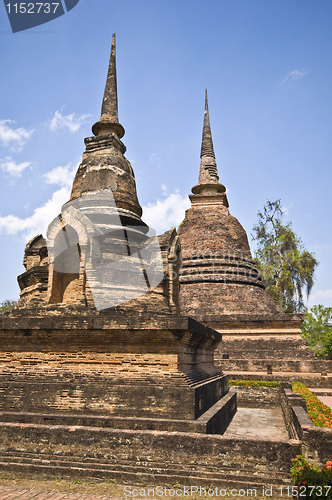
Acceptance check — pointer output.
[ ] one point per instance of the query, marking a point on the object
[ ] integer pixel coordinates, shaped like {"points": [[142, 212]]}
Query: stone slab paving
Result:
{"points": [[325, 395], [323, 391], [25, 494], [327, 400], [258, 423]]}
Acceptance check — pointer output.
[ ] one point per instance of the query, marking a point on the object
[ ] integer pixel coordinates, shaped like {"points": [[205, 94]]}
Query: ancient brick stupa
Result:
{"points": [[218, 275], [97, 330], [219, 283]]}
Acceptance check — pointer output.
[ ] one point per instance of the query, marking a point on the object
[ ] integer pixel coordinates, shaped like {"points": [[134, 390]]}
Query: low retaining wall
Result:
{"points": [[149, 446]]}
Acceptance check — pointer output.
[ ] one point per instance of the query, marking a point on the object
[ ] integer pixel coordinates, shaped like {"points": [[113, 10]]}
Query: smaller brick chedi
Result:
{"points": [[97, 330], [218, 275], [219, 283]]}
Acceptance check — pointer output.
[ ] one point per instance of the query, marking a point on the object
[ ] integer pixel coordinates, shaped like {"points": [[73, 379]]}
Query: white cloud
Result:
{"points": [[71, 122], [323, 297], [295, 75], [166, 213], [12, 168], [325, 294], [43, 215], [161, 215], [286, 210], [63, 176], [323, 247], [38, 221], [13, 137]]}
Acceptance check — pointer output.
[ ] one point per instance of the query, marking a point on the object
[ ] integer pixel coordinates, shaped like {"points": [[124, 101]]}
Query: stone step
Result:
{"points": [[137, 472], [278, 346], [88, 420], [105, 462], [321, 391], [214, 419]]}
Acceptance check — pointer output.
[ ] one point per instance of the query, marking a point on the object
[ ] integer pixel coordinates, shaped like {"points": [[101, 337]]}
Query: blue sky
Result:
{"points": [[268, 69]]}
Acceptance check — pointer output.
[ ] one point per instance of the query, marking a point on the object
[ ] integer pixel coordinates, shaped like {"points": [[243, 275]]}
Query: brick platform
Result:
{"points": [[118, 366]]}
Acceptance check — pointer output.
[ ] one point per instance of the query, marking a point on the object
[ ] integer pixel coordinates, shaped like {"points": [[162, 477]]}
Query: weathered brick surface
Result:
{"points": [[218, 275], [270, 346], [257, 397], [147, 446], [34, 281], [214, 421], [277, 365]]}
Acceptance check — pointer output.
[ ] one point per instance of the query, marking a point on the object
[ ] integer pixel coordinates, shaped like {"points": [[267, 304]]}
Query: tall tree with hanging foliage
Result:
{"points": [[286, 267]]}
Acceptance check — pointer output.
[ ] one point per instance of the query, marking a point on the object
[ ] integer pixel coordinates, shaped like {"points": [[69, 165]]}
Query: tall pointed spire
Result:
{"points": [[109, 106], [208, 182], [207, 143], [109, 120]]}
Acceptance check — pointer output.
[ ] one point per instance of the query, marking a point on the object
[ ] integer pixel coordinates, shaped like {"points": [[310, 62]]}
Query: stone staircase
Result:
{"points": [[137, 472]]}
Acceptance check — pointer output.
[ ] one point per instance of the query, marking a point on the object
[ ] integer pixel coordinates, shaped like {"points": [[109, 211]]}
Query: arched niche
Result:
{"points": [[67, 267], [72, 245]]}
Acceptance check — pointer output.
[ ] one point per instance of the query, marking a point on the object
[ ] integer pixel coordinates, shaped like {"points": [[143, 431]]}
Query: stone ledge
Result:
{"points": [[255, 318], [304, 366], [131, 423], [186, 448], [56, 318]]}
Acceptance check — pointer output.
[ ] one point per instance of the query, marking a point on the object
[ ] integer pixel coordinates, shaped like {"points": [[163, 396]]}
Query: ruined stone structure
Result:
{"points": [[220, 285], [67, 354], [105, 376]]}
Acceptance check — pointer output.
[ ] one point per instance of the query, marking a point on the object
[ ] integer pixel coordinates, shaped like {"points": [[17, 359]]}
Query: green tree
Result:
{"points": [[7, 305], [328, 342], [286, 267], [317, 330]]}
